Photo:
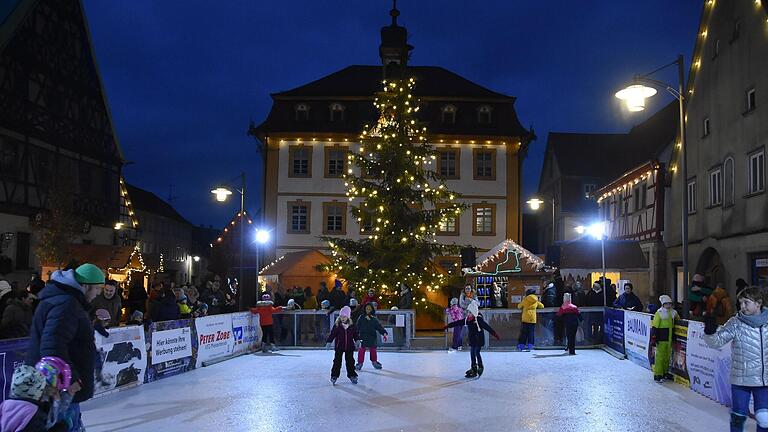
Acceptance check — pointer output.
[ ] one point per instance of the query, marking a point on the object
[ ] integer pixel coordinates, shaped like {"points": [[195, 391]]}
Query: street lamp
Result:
{"points": [[597, 231], [635, 96], [222, 193], [535, 204], [262, 237]]}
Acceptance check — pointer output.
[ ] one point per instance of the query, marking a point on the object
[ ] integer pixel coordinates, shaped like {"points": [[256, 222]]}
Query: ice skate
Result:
{"points": [[333, 380], [658, 378], [529, 347], [460, 348], [358, 366], [451, 350], [273, 348], [353, 379], [376, 365], [480, 370], [472, 373]]}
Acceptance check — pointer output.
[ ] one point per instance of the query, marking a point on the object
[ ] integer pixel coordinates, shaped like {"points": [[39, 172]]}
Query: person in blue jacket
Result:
{"points": [[628, 300], [62, 328]]}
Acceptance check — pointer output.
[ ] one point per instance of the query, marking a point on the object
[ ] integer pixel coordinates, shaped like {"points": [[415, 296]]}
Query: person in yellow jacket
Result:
{"points": [[529, 305], [662, 330]]}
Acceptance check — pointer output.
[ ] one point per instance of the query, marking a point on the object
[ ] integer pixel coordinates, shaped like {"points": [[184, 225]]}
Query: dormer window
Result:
{"points": [[448, 114], [337, 112], [302, 112], [484, 114]]}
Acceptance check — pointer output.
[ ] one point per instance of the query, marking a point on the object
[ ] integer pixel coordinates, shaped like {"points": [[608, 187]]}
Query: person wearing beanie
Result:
{"points": [[61, 327], [570, 316], [529, 305], [476, 324], [137, 318], [367, 328], [343, 333], [662, 329], [26, 408], [265, 308], [455, 313], [357, 309], [698, 294]]}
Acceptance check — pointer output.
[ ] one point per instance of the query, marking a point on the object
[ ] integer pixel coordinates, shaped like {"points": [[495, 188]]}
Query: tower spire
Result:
{"points": [[394, 49]]}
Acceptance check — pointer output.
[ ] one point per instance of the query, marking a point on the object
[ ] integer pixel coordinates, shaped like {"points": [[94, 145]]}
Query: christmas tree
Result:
{"points": [[399, 202]]}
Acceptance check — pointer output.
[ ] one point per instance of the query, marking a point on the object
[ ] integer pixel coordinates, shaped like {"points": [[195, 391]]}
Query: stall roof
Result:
{"points": [[296, 263], [621, 255]]}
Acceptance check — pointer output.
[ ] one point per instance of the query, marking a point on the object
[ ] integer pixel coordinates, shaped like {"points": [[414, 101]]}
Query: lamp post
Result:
{"points": [[535, 204], [222, 193], [634, 96], [262, 237], [597, 231]]}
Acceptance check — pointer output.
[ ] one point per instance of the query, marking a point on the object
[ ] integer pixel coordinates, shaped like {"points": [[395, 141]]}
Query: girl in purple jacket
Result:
{"points": [[344, 334]]}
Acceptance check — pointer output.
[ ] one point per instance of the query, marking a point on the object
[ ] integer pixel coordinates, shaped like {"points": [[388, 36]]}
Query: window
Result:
{"points": [[705, 131], [638, 198], [692, 196], [756, 172], [715, 187], [22, 250], [298, 217], [483, 219], [448, 162], [335, 161], [589, 189], [729, 189], [337, 112], [300, 161], [484, 114], [485, 164], [334, 218], [302, 112], [449, 225], [751, 103], [448, 114]]}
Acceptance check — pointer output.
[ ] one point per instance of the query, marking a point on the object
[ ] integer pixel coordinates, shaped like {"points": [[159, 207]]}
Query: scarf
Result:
{"points": [[755, 320]]}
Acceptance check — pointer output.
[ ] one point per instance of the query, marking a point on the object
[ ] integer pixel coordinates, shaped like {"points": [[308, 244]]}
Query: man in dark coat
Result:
{"points": [[61, 327], [628, 300], [17, 317], [337, 297], [110, 302]]}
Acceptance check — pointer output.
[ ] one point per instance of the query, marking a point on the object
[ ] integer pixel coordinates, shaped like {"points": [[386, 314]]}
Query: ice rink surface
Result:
{"points": [[419, 391]]}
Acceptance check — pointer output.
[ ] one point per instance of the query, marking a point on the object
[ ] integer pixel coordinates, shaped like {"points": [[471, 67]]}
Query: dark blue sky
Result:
{"points": [[184, 79]]}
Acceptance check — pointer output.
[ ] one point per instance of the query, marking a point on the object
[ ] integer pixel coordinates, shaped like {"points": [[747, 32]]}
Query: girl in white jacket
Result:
{"points": [[748, 333]]}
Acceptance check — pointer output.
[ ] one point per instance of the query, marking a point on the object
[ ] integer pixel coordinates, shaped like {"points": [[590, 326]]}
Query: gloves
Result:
{"points": [[710, 325]]}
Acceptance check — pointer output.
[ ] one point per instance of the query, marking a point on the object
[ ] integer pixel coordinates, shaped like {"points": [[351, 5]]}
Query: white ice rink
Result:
{"points": [[421, 391]]}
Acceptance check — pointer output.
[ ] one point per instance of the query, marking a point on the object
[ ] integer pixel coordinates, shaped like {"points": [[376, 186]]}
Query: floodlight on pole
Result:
{"points": [[262, 236], [581, 229]]}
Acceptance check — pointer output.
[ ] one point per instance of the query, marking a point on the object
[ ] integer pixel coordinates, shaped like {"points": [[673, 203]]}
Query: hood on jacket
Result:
{"points": [[755, 320], [530, 300], [67, 277], [15, 414], [263, 303], [63, 283]]}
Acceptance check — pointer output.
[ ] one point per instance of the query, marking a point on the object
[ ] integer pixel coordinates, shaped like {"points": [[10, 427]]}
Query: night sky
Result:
{"points": [[184, 79]]}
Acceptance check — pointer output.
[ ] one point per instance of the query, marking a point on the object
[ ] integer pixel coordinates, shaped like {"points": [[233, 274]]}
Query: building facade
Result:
{"points": [[727, 132], [309, 130], [57, 144]]}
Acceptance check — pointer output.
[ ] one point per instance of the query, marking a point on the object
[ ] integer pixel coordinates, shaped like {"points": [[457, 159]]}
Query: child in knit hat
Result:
{"points": [[26, 408], [476, 324], [343, 333], [662, 329], [265, 308]]}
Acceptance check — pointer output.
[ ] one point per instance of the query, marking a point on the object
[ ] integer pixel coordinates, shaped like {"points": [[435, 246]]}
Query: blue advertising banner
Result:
{"points": [[12, 353], [173, 349], [613, 336], [637, 337]]}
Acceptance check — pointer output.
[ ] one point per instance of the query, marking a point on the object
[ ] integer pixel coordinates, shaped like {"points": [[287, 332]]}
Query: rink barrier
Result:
{"points": [[136, 355]]}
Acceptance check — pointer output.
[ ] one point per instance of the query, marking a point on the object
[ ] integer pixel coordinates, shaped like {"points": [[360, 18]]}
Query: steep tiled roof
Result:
{"points": [[147, 201]]}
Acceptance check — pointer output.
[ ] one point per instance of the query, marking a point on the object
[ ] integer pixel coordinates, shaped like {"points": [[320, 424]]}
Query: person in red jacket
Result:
{"points": [[570, 316], [344, 333], [265, 308], [370, 297]]}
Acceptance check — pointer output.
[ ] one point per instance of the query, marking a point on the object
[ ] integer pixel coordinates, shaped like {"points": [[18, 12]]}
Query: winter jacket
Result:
{"points": [[661, 327], [337, 298], [406, 300], [719, 305], [165, 309], [476, 327], [265, 309], [749, 348], [569, 314], [344, 337], [357, 313], [367, 327], [310, 303], [697, 295], [454, 313], [17, 319], [22, 415], [529, 305], [61, 327], [465, 300], [628, 301], [370, 299], [113, 306], [596, 298], [550, 296]]}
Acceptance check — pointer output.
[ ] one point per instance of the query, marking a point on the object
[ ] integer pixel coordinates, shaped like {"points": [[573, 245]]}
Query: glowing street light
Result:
{"points": [[221, 193], [262, 236], [534, 203], [597, 231], [635, 95]]}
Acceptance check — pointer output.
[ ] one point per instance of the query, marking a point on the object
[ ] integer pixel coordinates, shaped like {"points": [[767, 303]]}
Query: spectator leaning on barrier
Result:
{"points": [[697, 294], [747, 332], [165, 307], [628, 300], [529, 305], [61, 328], [406, 297], [337, 296], [719, 305], [322, 293], [310, 302], [570, 316], [17, 317], [109, 301]]}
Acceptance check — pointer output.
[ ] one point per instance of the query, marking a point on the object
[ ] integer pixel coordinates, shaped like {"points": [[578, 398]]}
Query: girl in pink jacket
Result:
{"points": [[455, 313]]}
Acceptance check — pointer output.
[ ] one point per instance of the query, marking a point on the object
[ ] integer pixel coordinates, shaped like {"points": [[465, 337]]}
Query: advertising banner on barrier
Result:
{"points": [[246, 332], [12, 353], [214, 337], [173, 349], [613, 336], [637, 337], [679, 366], [709, 369], [123, 358]]}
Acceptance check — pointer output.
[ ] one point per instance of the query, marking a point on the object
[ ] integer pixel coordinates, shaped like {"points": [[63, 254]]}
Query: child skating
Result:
{"points": [[476, 324], [343, 333], [662, 328], [455, 313], [570, 316], [368, 326], [265, 308], [528, 326], [748, 333]]}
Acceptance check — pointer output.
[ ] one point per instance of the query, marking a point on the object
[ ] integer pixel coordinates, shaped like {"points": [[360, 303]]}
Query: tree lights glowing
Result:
{"points": [[399, 202]]}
